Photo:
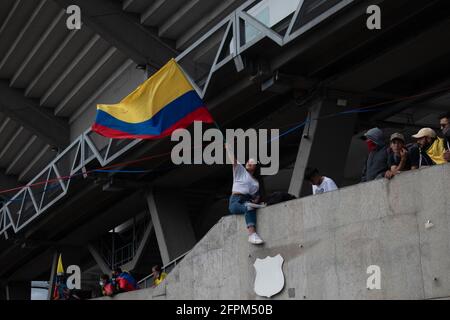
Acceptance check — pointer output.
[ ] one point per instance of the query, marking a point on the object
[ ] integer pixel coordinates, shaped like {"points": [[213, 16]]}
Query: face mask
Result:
{"points": [[371, 145]]}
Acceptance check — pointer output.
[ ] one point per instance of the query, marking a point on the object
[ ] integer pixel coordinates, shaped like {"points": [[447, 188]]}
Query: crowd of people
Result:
{"points": [[385, 160], [389, 160]]}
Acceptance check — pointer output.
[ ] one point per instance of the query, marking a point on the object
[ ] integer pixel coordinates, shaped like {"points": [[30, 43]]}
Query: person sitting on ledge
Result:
{"points": [[245, 190], [320, 184]]}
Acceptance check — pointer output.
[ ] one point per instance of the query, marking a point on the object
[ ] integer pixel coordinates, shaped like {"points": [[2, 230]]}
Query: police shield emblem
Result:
{"points": [[269, 276]]}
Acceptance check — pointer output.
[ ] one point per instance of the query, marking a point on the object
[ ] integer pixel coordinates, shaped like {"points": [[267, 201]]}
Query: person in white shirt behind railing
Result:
{"points": [[320, 184]]}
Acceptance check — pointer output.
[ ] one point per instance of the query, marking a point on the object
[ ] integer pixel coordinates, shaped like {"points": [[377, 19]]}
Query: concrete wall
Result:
{"points": [[327, 242]]}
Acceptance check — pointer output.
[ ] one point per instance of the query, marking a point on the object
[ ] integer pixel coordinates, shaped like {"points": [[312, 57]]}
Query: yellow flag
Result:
{"points": [[437, 150], [60, 269]]}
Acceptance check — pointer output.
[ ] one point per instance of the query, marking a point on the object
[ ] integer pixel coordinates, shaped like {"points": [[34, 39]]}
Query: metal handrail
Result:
{"points": [[164, 268]]}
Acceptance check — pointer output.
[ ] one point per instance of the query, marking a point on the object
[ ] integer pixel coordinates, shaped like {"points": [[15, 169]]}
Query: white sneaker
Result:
{"points": [[251, 205], [255, 239]]}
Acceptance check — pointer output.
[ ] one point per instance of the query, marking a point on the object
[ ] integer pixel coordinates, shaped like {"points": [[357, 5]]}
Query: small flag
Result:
{"points": [[165, 102], [60, 268]]}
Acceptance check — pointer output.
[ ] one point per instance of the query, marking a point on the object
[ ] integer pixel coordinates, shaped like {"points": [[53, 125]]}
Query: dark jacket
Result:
{"points": [[376, 164]]}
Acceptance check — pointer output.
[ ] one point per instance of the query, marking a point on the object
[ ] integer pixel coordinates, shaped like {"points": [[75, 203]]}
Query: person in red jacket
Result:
{"points": [[106, 285], [124, 281]]}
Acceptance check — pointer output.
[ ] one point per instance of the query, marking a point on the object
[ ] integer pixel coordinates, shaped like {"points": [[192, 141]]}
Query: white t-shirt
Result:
{"points": [[243, 182], [327, 185]]}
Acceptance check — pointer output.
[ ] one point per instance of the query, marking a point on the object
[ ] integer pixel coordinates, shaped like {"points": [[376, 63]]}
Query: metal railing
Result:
{"points": [[124, 254], [222, 44], [147, 282]]}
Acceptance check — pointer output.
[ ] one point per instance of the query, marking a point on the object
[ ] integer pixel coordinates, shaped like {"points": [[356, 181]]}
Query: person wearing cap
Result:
{"points": [[245, 190], [429, 149], [376, 164], [444, 121], [398, 157]]}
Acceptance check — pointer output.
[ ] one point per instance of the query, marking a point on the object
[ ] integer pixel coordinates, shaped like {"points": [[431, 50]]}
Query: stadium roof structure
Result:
{"points": [[251, 73]]}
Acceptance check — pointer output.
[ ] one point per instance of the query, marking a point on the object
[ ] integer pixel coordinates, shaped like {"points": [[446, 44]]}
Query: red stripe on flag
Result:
{"points": [[201, 114]]}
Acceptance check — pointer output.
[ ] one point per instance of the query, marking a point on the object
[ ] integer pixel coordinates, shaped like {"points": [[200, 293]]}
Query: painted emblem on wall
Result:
{"points": [[269, 276]]}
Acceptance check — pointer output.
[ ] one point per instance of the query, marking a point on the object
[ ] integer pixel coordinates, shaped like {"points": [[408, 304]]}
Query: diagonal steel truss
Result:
{"points": [[225, 42]]}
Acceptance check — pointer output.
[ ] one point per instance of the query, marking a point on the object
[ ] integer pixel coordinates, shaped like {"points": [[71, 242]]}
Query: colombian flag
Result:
{"points": [[163, 103]]}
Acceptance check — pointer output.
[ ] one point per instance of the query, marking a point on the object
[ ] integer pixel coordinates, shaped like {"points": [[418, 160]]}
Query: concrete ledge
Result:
{"points": [[328, 242]]}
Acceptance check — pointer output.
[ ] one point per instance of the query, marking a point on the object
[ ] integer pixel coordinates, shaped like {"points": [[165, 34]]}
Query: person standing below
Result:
{"points": [[445, 127], [376, 163], [398, 157], [320, 184], [429, 149], [245, 190]]}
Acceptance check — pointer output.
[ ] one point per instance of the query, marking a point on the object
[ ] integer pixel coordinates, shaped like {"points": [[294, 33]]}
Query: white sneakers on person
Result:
{"points": [[255, 239], [251, 205]]}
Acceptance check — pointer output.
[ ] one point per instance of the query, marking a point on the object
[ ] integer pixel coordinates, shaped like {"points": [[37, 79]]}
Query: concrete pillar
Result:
{"points": [[324, 145], [172, 224], [101, 263], [18, 290]]}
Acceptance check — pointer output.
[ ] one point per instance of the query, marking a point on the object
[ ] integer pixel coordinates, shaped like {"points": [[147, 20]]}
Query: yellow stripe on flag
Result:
{"points": [[168, 84], [60, 268]]}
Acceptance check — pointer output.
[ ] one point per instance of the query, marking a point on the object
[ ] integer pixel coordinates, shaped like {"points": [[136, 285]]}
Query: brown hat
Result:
{"points": [[398, 136], [425, 132]]}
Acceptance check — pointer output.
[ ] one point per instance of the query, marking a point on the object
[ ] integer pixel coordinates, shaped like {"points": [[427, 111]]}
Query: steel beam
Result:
{"points": [[175, 18], [68, 70], [36, 120], [21, 154], [124, 31], [32, 19], [49, 62], [7, 181], [209, 19], [33, 162], [41, 43], [60, 109], [11, 141]]}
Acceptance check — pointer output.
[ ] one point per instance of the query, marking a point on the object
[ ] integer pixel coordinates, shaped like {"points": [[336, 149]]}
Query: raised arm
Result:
{"points": [[231, 155]]}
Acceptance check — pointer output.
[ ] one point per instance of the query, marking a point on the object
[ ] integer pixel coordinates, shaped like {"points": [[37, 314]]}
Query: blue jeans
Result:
{"points": [[237, 206]]}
